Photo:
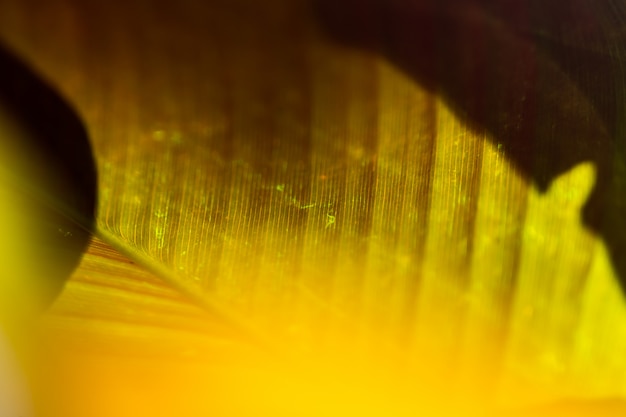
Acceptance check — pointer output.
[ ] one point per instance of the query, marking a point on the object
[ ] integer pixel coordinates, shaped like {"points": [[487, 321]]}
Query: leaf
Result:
{"points": [[261, 185], [46, 168], [47, 201]]}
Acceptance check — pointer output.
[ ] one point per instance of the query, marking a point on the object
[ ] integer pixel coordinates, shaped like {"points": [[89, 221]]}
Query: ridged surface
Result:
{"points": [[317, 195]]}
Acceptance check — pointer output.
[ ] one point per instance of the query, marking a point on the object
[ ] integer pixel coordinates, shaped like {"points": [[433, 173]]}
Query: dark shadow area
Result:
{"points": [[56, 173], [543, 78]]}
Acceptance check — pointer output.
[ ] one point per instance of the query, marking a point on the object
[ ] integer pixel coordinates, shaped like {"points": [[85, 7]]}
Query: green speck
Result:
{"points": [[159, 234], [280, 187], [177, 138], [158, 135], [64, 233], [330, 220]]}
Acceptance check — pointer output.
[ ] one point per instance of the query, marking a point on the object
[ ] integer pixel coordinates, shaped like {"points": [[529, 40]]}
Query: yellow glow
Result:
{"points": [[285, 186], [19, 299]]}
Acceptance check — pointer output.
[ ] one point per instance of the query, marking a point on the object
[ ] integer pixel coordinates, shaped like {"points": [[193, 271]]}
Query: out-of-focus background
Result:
{"points": [[293, 223]]}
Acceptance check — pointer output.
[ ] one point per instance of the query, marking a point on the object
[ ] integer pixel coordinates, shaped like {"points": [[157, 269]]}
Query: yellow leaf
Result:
{"points": [[289, 226]]}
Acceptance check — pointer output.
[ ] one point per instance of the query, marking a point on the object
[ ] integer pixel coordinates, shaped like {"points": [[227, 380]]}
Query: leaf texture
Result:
{"points": [[263, 185]]}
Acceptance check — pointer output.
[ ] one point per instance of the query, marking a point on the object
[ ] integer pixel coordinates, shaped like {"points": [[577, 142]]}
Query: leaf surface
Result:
{"points": [[261, 185]]}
